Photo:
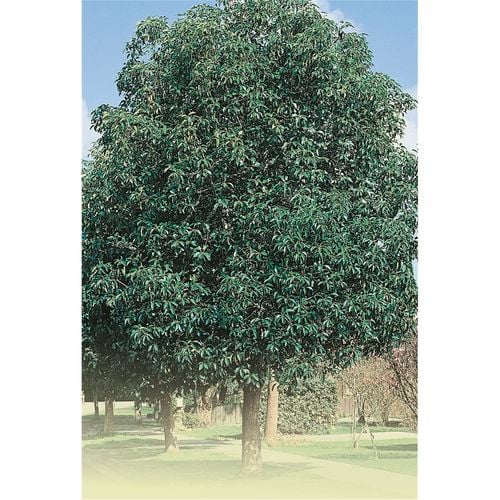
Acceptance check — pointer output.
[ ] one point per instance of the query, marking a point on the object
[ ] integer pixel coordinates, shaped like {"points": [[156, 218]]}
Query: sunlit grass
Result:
{"points": [[132, 464], [395, 455]]}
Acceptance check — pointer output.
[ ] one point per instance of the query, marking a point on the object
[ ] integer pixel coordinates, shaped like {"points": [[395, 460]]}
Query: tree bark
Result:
{"points": [[361, 413], [167, 415], [138, 411], [251, 445], [353, 427], [372, 437], [108, 418], [271, 432], [96, 403]]}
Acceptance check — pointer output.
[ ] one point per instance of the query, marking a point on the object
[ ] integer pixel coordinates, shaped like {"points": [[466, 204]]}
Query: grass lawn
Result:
{"points": [[395, 455], [219, 432], [132, 464], [136, 467]]}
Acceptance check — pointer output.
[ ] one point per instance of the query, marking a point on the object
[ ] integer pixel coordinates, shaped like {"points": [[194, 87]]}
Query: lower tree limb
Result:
{"points": [[251, 443]]}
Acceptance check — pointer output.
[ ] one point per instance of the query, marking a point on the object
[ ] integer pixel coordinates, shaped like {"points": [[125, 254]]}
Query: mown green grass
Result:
{"points": [[395, 455], [219, 432], [132, 464], [135, 466]]}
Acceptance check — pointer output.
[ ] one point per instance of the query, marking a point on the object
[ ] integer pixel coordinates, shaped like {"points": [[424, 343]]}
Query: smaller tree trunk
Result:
{"points": [[353, 427], [372, 437], [361, 412], [251, 445], [156, 411], [167, 415], [271, 429], [96, 403], [384, 414], [108, 418], [138, 411]]}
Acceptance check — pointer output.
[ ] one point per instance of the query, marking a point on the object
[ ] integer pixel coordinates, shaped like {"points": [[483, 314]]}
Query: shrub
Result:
{"points": [[191, 420], [307, 409]]}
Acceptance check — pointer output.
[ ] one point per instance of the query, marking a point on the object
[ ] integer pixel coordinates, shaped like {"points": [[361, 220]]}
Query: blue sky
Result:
{"points": [[391, 26]]}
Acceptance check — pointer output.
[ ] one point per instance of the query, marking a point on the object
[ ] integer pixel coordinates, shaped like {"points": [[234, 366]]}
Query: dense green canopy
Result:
{"points": [[249, 204]]}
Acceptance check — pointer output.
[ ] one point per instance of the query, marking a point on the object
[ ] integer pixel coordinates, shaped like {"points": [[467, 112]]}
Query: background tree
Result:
{"points": [[263, 209], [206, 397], [370, 383], [138, 314], [404, 365]]}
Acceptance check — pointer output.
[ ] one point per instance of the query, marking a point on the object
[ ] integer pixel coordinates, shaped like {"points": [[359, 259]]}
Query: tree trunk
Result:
{"points": [[251, 445], [353, 427], [271, 432], [138, 411], [372, 437], [361, 412], [96, 403], [167, 415], [384, 414], [108, 419]]}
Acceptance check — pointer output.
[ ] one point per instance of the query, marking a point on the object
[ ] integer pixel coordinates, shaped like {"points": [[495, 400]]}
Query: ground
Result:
{"points": [[132, 465]]}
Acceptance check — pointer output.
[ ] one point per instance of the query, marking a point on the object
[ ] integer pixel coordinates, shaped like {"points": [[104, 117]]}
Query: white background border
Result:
{"points": [[458, 261]]}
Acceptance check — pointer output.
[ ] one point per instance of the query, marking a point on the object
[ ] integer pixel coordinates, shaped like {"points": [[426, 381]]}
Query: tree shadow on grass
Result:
{"points": [[128, 443], [231, 436], [399, 447], [200, 444], [220, 469], [138, 448], [93, 427]]}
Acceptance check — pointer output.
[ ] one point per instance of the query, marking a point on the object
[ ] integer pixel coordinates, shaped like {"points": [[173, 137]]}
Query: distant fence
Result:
{"points": [[345, 408], [227, 414]]}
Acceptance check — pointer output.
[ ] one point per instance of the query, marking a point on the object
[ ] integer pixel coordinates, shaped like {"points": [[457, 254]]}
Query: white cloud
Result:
{"points": [[335, 14], [88, 135], [411, 118]]}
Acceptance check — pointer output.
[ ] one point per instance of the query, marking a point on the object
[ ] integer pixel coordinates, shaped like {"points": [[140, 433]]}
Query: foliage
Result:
{"points": [[248, 205], [308, 409]]}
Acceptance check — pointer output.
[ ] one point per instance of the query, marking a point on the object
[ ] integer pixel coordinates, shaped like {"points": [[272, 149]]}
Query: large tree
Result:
{"points": [[138, 313], [254, 166]]}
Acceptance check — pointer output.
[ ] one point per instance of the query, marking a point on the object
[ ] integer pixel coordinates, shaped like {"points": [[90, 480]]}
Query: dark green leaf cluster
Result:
{"points": [[249, 205]]}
